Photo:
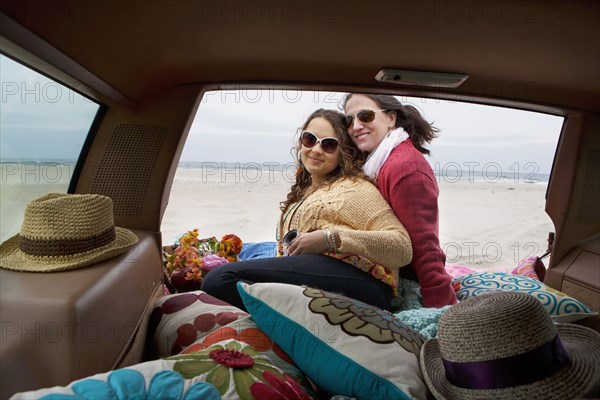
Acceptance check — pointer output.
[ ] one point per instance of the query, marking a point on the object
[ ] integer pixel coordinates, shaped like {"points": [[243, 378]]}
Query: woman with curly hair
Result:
{"points": [[346, 238]]}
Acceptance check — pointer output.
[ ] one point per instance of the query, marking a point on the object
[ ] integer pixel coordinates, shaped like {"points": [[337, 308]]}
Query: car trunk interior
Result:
{"points": [[150, 63]]}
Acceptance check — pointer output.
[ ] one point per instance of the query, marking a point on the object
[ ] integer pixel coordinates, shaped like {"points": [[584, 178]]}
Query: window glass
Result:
{"points": [[43, 126], [492, 166]]}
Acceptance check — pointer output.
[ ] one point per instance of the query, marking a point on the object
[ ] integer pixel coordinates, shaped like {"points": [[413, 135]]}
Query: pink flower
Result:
{"points": [[277, 388], [186, 252], [232, 358], [212, 261]]}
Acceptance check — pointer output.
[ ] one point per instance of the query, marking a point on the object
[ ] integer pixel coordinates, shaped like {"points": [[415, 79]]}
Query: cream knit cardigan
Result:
{"points": [[363, 219]]}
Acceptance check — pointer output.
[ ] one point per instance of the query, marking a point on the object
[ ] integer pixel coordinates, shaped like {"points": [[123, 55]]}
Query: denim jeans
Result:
{"points": [[316, 270]]}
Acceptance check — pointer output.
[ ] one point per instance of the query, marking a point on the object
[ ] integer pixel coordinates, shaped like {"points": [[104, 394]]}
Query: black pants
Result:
{"points": [[317, 271]]}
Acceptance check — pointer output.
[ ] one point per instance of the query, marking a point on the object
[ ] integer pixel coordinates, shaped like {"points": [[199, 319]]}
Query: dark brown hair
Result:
{"points": [[408, 117], [350, 160]]}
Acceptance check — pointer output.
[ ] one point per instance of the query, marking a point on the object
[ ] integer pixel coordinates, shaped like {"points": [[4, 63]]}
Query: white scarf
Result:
{"points": [[380, 153]]}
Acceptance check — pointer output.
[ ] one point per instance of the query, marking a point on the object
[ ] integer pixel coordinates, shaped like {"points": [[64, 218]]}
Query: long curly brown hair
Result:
{"points": [[350, 160]]}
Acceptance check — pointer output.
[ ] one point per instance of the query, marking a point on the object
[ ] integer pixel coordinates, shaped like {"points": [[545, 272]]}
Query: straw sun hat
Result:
{"points": [[503, 345], [65, 231]]}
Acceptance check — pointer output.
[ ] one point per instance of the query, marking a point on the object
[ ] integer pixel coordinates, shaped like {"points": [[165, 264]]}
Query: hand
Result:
{"points": [[308, 243]]}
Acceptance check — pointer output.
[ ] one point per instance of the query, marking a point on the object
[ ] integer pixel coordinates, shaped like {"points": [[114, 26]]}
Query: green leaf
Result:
{"points": [[243, 380], [190, 369], [256, 373], [192, 356], [219, 377], [251, 351], [197, 355], [234, 345]]}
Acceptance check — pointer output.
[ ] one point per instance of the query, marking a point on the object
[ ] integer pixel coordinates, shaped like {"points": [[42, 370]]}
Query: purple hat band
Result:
{"points": [[520, 369]]}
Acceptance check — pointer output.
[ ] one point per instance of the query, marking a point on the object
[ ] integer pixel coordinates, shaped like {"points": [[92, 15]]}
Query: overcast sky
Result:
{"points": [[40, 120], [228, 125]]}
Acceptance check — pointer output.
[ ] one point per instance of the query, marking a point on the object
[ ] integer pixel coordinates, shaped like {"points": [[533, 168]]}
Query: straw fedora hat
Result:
{"points": [[65, 231], [503, 345]]}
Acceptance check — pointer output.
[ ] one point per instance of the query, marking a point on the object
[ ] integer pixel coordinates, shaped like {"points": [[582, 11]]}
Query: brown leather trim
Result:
{"points": [[65, 247]]}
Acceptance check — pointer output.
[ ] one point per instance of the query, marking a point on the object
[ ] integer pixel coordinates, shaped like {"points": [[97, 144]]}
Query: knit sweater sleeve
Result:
{"points": [[413, 196], [368, 227]]}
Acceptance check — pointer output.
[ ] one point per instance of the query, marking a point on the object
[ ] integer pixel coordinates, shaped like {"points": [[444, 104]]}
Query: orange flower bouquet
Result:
{"points": [[190, 259]]}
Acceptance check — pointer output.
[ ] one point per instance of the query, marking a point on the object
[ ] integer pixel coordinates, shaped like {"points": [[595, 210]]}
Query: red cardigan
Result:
{"points": [[407, 182]]}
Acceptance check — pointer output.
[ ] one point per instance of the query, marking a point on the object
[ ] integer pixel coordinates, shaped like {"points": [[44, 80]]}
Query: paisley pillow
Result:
{"points": [[344, 346], [561, 307]]}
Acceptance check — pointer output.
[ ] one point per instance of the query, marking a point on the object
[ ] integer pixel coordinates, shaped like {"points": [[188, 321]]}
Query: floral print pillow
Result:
{"points": [[230, 370], [179, 320], [220, 354], [150, 380], [240, 342], [344, 346], [193, 326], [239, 371]]}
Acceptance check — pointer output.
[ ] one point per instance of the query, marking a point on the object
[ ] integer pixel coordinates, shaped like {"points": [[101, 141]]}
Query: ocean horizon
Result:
{"points": [[451, 172]]}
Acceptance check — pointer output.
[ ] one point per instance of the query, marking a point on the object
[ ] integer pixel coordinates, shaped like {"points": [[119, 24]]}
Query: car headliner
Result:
{"points": [[540, 52]]}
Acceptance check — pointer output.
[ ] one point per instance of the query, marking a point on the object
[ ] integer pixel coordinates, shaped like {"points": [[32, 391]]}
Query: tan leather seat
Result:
{"points": [[62, 326]]}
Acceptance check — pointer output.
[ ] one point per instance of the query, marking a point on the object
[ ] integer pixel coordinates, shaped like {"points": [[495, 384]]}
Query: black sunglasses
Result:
{"points": [[328, 144], [363, 116]]}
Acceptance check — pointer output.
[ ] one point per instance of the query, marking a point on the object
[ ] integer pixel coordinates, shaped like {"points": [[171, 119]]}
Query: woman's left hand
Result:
{"points": [[308, 243]]}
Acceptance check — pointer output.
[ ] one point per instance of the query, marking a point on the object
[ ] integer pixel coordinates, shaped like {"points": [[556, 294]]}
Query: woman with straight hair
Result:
{"points": [[394, 137]]}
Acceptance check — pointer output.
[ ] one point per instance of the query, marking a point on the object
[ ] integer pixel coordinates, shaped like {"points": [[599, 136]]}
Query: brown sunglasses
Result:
{"points": [[363, 116]]}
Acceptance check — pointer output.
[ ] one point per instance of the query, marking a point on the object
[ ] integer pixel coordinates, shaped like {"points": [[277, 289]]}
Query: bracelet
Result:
{"points": [[333, 241], [327, 247]]}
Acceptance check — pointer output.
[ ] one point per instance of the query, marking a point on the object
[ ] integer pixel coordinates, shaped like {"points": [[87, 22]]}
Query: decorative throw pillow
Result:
{"points": [[152, 380], [344, 346], [194, 324], [561, 307], [532, 267], [457, 270], [241, 371], [181, 319], [423, 320], [227, 370], [244, 330]]}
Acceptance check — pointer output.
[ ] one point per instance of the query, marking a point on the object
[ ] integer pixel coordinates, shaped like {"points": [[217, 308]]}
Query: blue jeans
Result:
{"points": [[258, 250], [317, 271]]}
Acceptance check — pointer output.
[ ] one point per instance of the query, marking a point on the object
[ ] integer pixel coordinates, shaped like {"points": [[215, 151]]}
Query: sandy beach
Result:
{"points": [[20, 183], [484, 225]]}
